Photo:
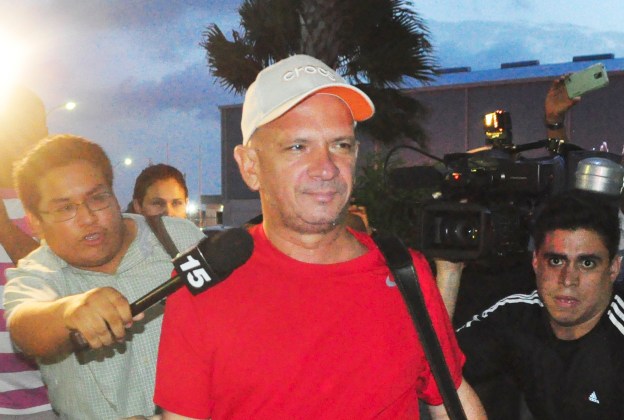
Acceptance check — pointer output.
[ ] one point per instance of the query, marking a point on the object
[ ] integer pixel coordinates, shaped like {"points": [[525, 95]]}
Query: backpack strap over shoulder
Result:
{"points": [[158, 227], [401, 264]]}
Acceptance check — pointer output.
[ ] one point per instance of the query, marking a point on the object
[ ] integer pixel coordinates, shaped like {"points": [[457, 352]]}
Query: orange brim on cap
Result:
{"points": [[361, 107]]}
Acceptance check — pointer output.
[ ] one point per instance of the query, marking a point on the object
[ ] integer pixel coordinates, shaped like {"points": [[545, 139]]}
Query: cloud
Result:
{"points": [[486, 44], [128, 15], [190, 90], [159, 30]]}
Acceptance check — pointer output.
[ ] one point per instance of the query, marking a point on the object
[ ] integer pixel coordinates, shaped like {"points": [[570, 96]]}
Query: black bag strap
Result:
{"points": [[158, 227], [401, 264]]}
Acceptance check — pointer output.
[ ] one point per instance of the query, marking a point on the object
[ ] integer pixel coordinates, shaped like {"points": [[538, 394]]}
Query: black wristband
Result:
{"points": [[554, 126]]}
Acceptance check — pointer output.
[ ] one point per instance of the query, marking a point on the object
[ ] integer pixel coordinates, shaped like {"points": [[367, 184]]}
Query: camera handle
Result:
{"points": [[558, 146]]}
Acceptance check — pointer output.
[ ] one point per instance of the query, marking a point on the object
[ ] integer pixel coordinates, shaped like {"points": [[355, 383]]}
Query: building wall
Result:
{"points": [[239, 202], [456, 115], [232, 184]]}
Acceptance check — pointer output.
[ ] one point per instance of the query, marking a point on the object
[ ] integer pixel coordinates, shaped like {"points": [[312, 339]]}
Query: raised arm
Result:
{"points": [[556, 105], [448, 277], [15, 242]]}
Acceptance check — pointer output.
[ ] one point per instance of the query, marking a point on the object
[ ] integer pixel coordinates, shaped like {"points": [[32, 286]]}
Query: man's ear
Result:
{"points": [[614, 270], [534, 261], [35, 224], [247, 160]]}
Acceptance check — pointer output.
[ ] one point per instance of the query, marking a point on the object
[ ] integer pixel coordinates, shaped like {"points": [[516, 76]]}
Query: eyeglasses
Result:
{"points": [[68, 211]]}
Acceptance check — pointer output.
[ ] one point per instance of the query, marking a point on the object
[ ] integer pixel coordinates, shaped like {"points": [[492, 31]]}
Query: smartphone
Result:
{"points": [[592, 78]]}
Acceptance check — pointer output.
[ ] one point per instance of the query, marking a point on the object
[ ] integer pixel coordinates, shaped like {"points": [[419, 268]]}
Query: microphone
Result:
{"points": [[203, 266], [200, 267]]}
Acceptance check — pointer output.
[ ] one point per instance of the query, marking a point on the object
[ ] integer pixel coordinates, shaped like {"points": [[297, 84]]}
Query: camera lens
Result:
{"points": [[459, 232]]}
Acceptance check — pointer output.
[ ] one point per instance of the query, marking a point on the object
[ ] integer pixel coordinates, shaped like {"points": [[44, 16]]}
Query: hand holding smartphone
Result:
{"points": [[592, 78]]}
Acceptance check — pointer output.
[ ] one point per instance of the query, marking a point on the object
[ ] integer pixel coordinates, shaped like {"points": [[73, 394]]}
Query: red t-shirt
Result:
{"points": [[285, 339]]}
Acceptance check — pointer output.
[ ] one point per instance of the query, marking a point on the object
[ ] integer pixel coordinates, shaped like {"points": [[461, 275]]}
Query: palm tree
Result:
{"points": [[375, 44]]}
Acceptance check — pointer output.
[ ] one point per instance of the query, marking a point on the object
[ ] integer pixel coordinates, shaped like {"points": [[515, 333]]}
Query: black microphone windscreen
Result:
{"points": [[227, 250]]}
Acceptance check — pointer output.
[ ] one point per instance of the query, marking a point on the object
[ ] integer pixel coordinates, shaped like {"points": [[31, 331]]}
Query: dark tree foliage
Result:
{"points": [[389, 209]]}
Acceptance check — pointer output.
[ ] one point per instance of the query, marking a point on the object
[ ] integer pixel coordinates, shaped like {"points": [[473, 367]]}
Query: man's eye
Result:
{"points": [[555, 261], [345, 146], [67, 208], [177, 203], [588, 263], [100, 198], [298, 147]]}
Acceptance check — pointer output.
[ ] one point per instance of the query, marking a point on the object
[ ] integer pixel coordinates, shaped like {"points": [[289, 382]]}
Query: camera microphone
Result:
{"points": [[200, 267]]}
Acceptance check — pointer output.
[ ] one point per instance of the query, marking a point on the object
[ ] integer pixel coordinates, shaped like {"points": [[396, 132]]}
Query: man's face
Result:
{"points": [[92, 240], [574, 280], [166, 197], [303, 164]]}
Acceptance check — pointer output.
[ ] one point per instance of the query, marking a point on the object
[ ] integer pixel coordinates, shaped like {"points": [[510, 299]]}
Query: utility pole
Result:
{"points": [[199, 187]]}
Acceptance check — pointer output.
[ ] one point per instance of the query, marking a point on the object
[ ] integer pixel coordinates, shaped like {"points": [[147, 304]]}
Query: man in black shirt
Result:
{"points": [[563, 344]]}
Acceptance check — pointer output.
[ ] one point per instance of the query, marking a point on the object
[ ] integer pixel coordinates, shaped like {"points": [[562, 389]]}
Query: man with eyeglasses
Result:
{"points": [[91, 263]]}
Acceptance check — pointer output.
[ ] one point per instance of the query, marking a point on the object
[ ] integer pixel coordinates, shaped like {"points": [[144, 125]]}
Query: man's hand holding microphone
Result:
{"points": [[100, 316]]}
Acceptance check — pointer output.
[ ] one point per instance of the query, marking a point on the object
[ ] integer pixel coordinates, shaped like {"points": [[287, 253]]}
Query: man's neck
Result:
{"points": [[575, 332], [337, 245]]}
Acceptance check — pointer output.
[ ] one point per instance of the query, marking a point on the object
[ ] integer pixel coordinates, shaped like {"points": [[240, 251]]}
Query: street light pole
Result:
{"points": [[199, 187], [69, 106], [126, 161]]}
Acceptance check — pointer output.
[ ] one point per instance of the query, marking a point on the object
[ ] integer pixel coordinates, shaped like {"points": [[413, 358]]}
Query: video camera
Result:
{"points": [[488, 196]]}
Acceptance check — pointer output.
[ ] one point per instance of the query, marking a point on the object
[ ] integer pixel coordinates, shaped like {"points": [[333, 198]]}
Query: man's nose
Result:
{"points": [[569, 276], [323, 165], [85, 213]]}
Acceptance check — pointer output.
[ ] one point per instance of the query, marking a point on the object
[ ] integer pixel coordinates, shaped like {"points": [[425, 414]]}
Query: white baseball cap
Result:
{"points": [[284, 84]]}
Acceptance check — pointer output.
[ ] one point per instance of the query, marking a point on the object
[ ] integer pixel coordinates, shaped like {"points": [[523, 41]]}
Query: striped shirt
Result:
{"points": [[567, 379], [22, 391]]}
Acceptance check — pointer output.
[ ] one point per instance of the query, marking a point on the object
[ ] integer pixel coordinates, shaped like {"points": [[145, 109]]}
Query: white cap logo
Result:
{"points": [[293, 74]]}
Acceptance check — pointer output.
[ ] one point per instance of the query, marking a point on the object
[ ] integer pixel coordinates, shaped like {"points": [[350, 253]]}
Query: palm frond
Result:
{"points": [[375, 44], [231, 62]]}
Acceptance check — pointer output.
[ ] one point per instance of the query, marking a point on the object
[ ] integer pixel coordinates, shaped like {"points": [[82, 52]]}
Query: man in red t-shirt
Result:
{"points": [[313, 325]]}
